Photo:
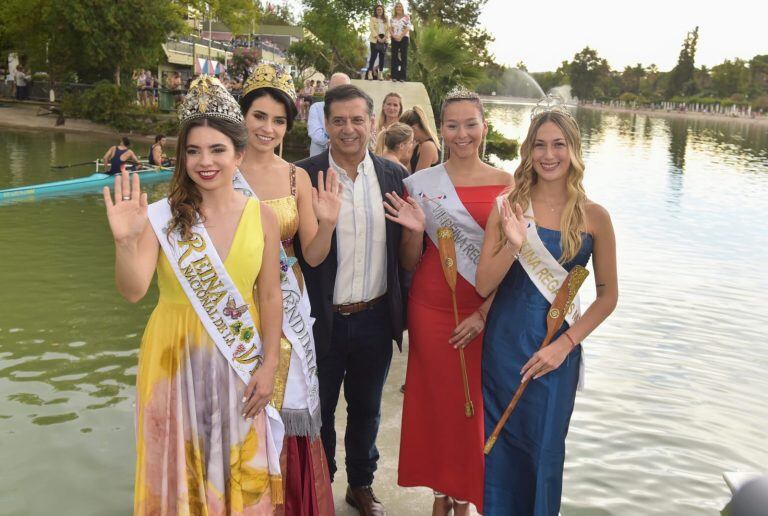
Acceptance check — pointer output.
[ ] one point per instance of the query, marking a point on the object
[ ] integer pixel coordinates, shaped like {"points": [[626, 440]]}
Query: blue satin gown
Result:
{"points": [[524, 471]]}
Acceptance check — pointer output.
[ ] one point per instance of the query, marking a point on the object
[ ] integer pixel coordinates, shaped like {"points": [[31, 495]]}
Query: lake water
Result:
{"points": [[676, 378]]}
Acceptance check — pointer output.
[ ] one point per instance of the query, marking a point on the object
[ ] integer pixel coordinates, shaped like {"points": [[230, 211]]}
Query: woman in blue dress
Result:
{"points": [[544, 223]]}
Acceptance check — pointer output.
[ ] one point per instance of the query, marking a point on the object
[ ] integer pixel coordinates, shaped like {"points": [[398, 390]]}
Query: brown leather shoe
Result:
{"points": [[363, 499]]}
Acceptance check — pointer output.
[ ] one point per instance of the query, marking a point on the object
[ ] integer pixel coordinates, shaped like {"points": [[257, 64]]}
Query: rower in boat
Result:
{"points": [[157, 156], [117, 155]]}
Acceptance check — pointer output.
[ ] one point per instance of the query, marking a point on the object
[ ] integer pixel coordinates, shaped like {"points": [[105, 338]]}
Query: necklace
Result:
{"points": [[550, 206]]}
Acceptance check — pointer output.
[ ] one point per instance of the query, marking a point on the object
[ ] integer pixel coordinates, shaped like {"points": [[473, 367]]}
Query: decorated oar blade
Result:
{"points": [[555, 316], [447, 249]]}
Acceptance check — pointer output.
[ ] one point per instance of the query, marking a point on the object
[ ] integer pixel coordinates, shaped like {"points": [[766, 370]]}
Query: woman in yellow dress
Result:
{"points": [[203, 434], [268, 106]]}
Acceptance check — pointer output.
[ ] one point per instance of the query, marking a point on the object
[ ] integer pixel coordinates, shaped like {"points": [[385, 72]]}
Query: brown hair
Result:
{"points": [[416, 116], [185, 198], [392, 136]]}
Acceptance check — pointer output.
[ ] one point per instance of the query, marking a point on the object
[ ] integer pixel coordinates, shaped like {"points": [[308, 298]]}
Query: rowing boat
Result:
{"points": [[95, 182]]}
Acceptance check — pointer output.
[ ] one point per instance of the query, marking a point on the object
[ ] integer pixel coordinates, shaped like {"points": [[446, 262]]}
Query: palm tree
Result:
{"points": [[441, 60]]}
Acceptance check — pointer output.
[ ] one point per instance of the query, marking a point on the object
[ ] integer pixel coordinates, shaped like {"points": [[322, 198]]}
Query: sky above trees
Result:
{"points": [[543, 34]]}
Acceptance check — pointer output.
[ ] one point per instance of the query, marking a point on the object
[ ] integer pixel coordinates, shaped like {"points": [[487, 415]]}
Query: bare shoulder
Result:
{"points": [[302, 179], [598, 218], [501, 177], [268, 217]]}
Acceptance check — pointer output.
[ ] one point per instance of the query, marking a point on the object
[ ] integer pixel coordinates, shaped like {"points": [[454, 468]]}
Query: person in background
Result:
{"points": [[427, 152], [391, 110], [378, 39], [174, 84], [22, 79], [399, 29], [395, 143], [157, 156], [316, 119], [117, 155]]}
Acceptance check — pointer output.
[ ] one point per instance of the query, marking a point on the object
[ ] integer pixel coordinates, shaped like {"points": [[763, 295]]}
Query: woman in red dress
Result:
{"points": [[441, 448]]}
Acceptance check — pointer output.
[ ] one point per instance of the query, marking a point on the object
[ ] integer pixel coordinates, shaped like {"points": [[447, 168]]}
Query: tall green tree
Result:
{"points": [[462, 14], [586, 72], [630, 78], [758, 68], [731, 78], [337, 26], [681, 81], [444, 60], [93, 38]]}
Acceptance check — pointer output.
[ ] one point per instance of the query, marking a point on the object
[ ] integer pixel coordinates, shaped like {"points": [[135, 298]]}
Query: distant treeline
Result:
{"points": [[733, 82]]}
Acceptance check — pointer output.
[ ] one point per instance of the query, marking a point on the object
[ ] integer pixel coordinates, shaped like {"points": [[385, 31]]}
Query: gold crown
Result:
{"points": [[207, 97], [270, 76]]}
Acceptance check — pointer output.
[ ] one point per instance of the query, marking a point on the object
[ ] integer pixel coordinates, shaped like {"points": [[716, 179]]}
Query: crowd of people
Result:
{"points": [[283, 285]]}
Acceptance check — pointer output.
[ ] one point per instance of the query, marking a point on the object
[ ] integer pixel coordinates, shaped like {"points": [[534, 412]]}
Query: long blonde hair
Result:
{"points": [[382, 116], [392, 136], [573, 220]]}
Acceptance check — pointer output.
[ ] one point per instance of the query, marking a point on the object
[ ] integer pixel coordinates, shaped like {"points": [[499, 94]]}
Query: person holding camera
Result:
{"points": [[379, 39]]}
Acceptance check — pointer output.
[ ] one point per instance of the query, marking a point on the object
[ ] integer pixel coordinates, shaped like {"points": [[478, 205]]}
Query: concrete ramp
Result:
{"points": [[413, 93]]}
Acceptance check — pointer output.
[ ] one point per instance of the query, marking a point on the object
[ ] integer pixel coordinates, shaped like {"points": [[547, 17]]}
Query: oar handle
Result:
{"points": [[555, 316]]}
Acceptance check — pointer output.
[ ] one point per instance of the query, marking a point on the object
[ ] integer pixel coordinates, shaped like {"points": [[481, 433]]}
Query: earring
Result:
{"points": [[280, 150], [482, 152], [442, 150]]}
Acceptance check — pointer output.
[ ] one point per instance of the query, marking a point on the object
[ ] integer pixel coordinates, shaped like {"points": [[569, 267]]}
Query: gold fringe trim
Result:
{"points": [[276, 489]]}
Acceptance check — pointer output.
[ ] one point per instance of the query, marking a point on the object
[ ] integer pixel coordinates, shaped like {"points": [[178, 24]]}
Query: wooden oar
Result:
{"points": [[447, 248], [76, 164], [555, 316]]}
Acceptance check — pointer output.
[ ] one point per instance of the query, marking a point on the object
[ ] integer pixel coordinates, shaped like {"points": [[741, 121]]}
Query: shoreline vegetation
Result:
{"points": [[761, 120]]}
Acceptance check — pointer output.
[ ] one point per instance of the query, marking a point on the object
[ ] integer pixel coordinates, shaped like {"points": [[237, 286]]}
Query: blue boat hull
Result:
{"points": [[93, 183]]}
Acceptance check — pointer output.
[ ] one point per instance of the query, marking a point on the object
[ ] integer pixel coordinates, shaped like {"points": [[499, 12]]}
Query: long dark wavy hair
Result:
{"points": [[184, 197]]}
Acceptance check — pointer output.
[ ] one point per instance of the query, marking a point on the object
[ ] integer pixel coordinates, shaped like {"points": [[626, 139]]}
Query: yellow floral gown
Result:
{"points": [[196, 454]]}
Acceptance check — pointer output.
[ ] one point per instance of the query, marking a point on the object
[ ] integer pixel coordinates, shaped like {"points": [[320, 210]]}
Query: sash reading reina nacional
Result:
{"points": [[220, 307], [546, 273], [434, 191], [302, 390]]}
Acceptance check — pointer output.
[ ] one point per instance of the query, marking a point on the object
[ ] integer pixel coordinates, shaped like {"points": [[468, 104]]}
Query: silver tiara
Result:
{"points": [[208, 98], [549, 104], [461, 93]]}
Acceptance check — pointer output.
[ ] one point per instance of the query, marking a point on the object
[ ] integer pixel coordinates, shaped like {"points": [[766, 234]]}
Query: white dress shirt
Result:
{"points": [[361, 237], [316, 129]]}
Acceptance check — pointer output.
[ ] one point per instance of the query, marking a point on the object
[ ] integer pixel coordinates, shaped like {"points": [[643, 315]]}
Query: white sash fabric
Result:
{"points": [[434, 191], [546, 273], [302, 391], [220, 307]]}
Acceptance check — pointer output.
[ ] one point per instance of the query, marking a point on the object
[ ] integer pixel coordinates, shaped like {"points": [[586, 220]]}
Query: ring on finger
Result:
{"points": [[126, 197]]}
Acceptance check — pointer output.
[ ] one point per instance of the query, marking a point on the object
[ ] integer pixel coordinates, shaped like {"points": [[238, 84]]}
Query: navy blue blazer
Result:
{"points": [[320, 280]]}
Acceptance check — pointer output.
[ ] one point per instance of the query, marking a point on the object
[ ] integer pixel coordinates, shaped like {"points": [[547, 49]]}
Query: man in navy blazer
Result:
{"points": [[357, 293]]}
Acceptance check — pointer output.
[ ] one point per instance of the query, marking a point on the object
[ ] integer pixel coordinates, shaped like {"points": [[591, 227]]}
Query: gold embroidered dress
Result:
{"points": [[303, 463], [196, 454]]}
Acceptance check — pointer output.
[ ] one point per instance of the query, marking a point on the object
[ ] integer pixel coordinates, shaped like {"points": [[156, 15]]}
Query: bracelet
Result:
{"points": [[573, 342], [515, 254], [480, 313]]}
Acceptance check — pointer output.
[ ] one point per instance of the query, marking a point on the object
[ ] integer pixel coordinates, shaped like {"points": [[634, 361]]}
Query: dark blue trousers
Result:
{"points": [[359, 358]]}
